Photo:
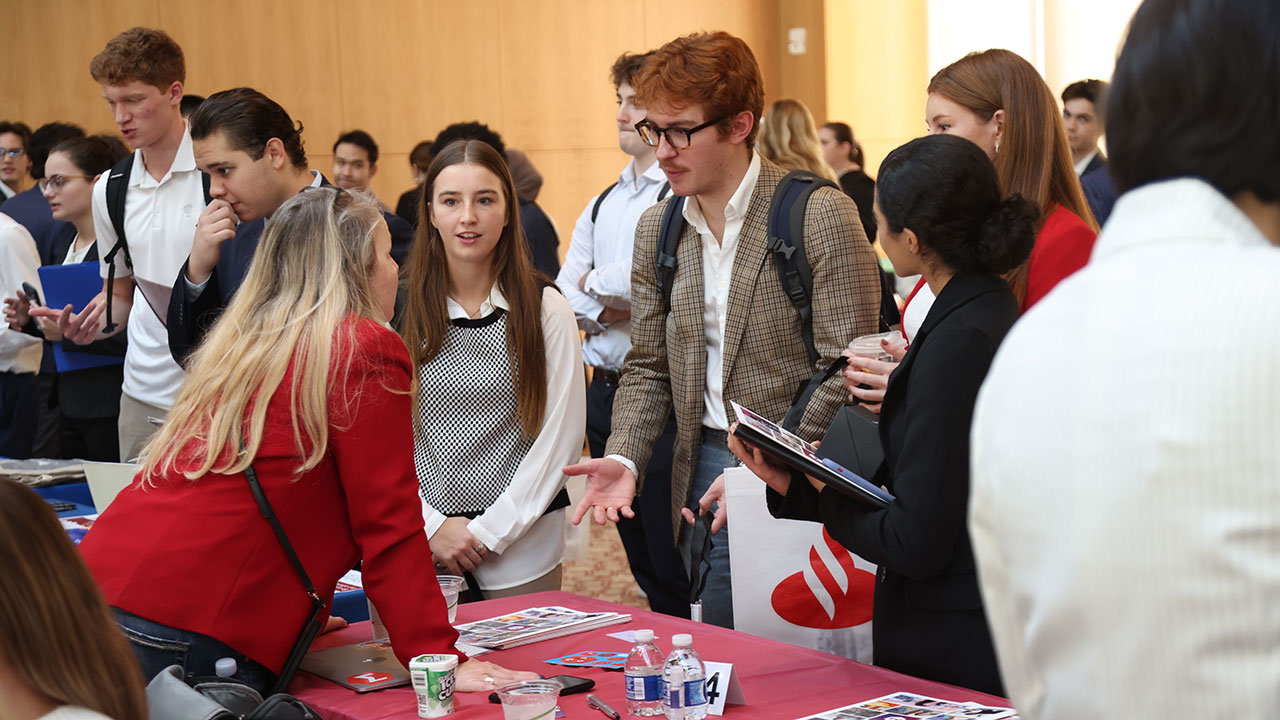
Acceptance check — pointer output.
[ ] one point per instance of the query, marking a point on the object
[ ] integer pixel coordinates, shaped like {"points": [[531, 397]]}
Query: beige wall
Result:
{"points": [[876, 71], [535, 70]]}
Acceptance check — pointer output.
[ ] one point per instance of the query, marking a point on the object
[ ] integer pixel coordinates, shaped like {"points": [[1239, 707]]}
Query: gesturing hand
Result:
{"points": [[610, 489]]}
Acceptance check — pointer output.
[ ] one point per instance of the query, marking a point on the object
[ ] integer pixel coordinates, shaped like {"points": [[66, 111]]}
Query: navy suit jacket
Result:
{"points": [[190, 318], [1099, 188]]}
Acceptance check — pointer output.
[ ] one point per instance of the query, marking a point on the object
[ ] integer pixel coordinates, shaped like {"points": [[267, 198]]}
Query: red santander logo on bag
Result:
{"points": [[831, 593]]}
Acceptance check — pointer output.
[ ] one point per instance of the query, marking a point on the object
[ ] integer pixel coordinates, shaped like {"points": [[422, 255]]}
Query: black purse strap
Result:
{"points": [[312, 628]]}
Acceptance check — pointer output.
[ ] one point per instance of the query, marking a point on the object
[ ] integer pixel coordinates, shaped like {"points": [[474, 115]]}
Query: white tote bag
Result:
{"points": [[791, 581]]}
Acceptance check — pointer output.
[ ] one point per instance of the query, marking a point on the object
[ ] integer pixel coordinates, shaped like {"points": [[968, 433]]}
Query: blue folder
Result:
{"points": [[74, 285]]}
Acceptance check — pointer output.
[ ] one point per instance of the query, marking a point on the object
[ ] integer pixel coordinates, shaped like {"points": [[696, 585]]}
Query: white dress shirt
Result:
{"points": [[1084, 164], [526, 543], [717, 274], [601, 251], [1125, 504], [19, 259], [160, 223]]}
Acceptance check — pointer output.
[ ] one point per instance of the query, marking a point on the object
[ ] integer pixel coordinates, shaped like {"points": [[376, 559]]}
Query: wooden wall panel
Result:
{"points": [[536, 70], [804, 77], [411, 68], [50, 46]]}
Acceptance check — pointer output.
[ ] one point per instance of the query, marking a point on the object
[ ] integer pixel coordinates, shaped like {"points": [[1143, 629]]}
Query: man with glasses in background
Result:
{"points": [[14, 160], [735, 334]]}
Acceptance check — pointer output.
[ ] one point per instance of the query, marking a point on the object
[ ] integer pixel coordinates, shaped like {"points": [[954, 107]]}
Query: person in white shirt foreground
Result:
{"points": [[1125, 506], [501, 398]]}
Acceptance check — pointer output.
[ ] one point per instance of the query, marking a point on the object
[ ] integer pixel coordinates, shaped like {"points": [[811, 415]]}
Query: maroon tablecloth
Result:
{"points": [[780, 681]]}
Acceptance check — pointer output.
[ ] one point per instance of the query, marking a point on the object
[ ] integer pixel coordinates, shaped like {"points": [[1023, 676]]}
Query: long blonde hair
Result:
{"points": [[56, 631], [790, 139], [310, 271], [426, 316], [1034, 160]]}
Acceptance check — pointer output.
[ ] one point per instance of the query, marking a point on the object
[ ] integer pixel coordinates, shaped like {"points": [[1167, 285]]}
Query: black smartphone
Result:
{"points": [[572, 684], [32, 294]]}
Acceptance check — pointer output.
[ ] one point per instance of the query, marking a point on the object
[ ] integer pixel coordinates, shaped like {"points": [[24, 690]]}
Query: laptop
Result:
{"points": [[106, 480], [363, 667]]}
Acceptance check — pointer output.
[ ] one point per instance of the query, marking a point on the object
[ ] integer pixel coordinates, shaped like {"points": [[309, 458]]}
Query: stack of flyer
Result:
{"points": [[532, 625], [910, 706]]}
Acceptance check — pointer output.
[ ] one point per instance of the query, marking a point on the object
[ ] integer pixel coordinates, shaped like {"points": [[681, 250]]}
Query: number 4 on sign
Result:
{"points": [[722, 687]]}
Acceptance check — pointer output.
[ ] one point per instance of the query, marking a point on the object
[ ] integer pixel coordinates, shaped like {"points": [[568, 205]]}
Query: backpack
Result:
{"points": [[117, 188], [595, 209], [786, 243]]}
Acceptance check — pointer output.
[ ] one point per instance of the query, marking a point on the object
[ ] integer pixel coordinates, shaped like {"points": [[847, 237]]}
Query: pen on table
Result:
{"points": [[600, 705]]}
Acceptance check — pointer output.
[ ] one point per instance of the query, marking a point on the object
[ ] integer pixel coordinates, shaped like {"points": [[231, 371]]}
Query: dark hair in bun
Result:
{"points": [[945, 189]]}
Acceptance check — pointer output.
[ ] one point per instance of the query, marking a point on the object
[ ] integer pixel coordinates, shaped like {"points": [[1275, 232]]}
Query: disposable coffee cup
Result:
{"points": [[433, 677], [868, 346], [450, 586], [530, 700]]}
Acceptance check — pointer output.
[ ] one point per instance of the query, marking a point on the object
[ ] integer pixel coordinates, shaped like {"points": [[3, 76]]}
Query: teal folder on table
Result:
{"points": [[74, 285]]}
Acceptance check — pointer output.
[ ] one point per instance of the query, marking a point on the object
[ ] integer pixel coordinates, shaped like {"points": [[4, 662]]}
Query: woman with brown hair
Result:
{"points": [[61, 655], [501, 399], [998, 101]]}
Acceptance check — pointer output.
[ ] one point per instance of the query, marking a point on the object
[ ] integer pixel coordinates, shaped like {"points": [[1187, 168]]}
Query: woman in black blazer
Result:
{"points": [[940, 214]]}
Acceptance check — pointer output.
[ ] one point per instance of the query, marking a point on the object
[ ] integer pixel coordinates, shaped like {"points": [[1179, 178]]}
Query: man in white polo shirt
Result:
{"points": [[596, 279], [141, 72]]}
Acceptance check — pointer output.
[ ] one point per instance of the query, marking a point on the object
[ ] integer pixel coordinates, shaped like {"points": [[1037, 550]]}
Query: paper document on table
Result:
{"points": [[910, 706], [350, 581], [533, 624]]}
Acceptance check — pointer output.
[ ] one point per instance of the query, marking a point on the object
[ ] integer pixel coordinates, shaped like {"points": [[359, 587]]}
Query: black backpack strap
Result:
{"points": [[595, 209], [662, 193], [312, 628], [805, 393], [668, 244], [786, 242], [117, 188]]}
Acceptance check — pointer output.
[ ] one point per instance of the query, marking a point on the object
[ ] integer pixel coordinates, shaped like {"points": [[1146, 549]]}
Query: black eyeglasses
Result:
{"points": [[678, 138]]}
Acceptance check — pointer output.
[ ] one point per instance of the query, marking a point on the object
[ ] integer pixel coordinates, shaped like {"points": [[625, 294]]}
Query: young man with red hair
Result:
{"points": [[730, 332]]}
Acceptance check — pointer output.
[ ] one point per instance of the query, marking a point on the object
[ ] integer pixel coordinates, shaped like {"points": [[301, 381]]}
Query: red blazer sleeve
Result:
{"points": [[1062, 247], [371, 439]]}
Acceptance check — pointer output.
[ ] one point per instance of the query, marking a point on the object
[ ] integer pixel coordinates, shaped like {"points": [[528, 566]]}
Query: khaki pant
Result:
{"points": [[135, 428]]}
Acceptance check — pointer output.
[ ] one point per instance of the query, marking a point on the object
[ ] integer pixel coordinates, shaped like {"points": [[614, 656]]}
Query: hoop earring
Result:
{"points": [[997, 146]]}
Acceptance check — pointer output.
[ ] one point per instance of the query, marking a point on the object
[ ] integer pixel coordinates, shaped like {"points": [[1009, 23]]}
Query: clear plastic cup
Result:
{"points": [[868, 346], [450, 586], [530, 700]]}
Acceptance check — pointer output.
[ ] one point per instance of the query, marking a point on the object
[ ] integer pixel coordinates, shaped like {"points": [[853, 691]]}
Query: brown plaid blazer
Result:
{"points": [[764, 356]]}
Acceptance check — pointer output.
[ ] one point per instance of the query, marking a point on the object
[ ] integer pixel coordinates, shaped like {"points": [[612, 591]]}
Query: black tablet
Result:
{"points": [[790, 450]]}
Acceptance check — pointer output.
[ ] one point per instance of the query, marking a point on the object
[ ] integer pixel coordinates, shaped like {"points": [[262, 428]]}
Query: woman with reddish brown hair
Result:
{"points": [[998, 101], [61, 655]]}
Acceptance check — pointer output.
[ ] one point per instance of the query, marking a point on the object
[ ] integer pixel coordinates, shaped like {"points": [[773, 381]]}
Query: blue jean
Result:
{"points": [[717, 596], [158, 646]]}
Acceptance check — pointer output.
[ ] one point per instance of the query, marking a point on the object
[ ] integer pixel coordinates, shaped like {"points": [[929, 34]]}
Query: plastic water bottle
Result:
{"points": [[684, 681], [644, 676]]}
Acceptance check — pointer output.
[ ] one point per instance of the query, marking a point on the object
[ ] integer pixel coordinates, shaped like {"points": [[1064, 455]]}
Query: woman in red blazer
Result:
{"points": [[998, 101], [301, 379]]}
